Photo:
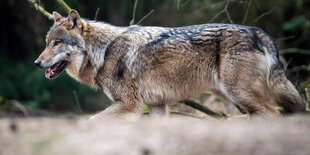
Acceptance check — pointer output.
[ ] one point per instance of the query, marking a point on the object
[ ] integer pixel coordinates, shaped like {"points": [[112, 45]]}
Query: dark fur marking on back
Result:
{"points": [[162, 37], [149, 35], [187, 33], [257, 43]]}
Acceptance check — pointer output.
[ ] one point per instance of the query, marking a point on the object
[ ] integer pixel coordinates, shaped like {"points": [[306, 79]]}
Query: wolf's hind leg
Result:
{"points": [[242, 79], [250, 95], [158, 111], [256, 105]]}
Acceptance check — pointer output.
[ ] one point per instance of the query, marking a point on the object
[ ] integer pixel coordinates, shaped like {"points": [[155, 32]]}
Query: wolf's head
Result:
{"points": [[64, 44]]}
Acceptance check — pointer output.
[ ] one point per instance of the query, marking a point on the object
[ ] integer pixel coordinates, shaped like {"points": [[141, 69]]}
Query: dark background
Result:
{"points": [[23, 31]]}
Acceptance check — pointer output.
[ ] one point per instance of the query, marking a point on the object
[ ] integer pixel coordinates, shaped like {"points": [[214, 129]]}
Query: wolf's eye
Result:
{"points": [[57, 42]]}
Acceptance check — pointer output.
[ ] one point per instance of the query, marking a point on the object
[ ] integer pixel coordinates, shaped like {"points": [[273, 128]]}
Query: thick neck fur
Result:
{"points": [[97, 36]]}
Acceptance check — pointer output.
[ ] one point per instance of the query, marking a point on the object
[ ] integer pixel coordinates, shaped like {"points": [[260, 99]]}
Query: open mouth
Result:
{"points": [[55, 70]]}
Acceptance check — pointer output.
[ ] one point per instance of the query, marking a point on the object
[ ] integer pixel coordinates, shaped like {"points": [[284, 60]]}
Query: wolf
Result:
{"points": [[160, 65]]}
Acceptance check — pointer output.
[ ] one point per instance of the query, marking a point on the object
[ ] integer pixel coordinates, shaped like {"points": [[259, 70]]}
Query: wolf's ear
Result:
{"points": [[57, 16], [74, 20]]}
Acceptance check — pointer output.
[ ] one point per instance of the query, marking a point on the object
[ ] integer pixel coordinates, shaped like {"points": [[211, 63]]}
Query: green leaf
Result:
{"points": [[145, 108]]}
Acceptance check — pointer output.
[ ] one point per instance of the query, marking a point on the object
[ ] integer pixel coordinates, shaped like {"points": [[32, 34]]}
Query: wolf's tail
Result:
{"points": [[283, 91], [279, 87]]}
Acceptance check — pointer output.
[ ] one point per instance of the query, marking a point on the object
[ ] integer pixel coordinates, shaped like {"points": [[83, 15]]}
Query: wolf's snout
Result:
{"points": [[37, 63]]}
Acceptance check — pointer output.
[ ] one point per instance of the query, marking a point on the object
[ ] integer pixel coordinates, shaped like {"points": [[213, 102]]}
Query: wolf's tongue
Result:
{"points": [[48, 73]]}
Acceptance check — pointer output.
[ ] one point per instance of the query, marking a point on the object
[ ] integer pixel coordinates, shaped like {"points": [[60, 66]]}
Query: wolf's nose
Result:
{"points": [[37, 63]]}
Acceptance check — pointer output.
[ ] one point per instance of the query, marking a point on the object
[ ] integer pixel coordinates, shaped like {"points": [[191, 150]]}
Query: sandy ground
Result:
{"points": [[172, 136]]}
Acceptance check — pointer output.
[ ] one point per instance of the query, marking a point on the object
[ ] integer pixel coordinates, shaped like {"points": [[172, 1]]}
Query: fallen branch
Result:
{"points": [[241, 109], [177, 113], [184, 113], [240, 116], [203, 108]]}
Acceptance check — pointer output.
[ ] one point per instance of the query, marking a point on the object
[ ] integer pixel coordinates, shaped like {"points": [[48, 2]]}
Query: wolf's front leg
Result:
{"points": [[124, 94], [118, 109], [158, 111]]}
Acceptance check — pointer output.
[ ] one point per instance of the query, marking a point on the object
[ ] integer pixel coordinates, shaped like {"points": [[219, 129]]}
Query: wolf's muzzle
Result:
{"points": [[37, 63]]}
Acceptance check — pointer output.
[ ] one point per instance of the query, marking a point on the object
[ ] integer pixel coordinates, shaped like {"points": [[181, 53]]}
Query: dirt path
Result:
{"points": [[173, 136]]}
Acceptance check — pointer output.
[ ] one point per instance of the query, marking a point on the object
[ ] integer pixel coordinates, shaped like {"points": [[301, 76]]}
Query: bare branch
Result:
{"points": [[181, 5], [285, 38], [294, 50], [64, 5], [225, 10], [219, 13], [185, 3], [41, 9], [132, 22], [21, 107], [297, 69], [46, 13], [178, 4], [97, 11], [246, 12], [286, 65], [227, 13], [148, 14], [264, 14]]}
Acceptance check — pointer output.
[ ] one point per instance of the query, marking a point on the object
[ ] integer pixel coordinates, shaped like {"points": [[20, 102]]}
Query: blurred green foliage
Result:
{"points": [[298, 22]]}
